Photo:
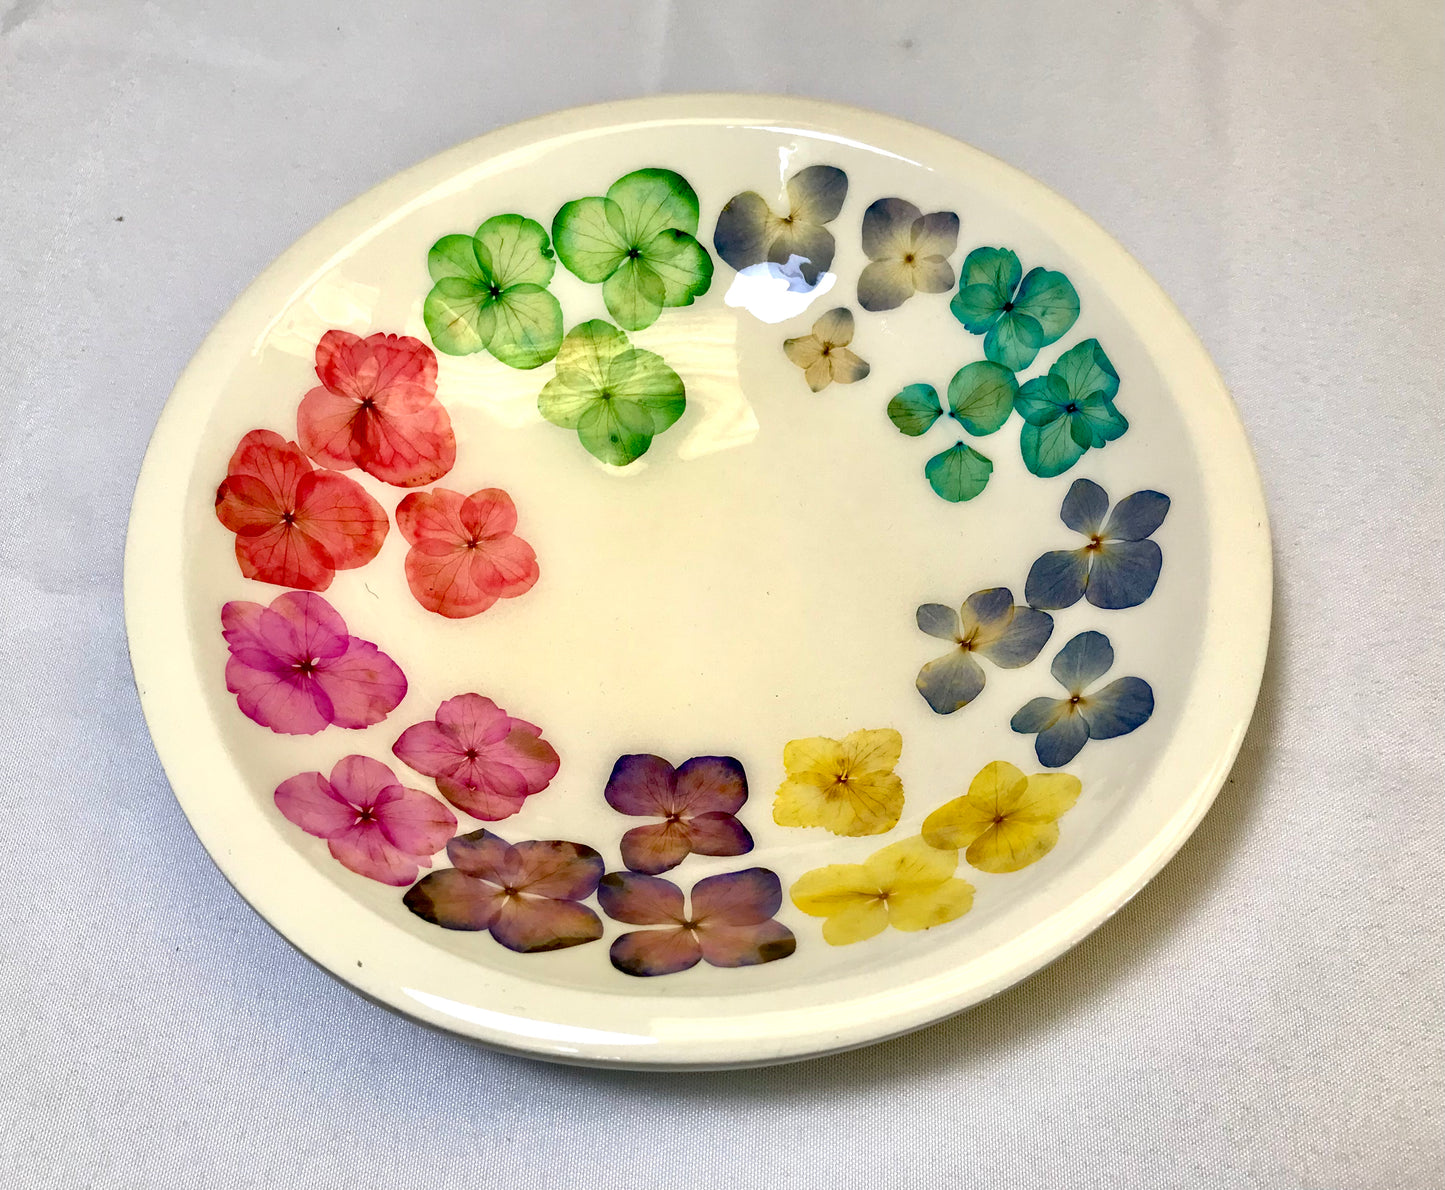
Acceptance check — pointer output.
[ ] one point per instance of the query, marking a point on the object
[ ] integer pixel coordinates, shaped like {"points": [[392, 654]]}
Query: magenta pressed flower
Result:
{"points": [[527, 895], [370, 821], [296, 669], [697, 802], [730, 923], [485, 762]]}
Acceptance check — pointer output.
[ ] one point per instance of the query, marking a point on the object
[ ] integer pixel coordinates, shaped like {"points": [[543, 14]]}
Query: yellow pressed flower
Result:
{"points": [[908, 885], [846, 786], [1006, 820]]}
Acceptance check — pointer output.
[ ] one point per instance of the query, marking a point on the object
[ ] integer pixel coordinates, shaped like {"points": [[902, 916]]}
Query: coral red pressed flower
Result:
{"points": [[484, 761], [377, 409], [465, 554], [371, 822], [295, 526]]}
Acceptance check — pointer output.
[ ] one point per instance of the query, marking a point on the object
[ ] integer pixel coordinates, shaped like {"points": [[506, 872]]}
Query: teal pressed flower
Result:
{"points": [[490, 293], [959, 473], [616, 396], [1016, 317], [980, 398], [1069, 410], [639, 242]]}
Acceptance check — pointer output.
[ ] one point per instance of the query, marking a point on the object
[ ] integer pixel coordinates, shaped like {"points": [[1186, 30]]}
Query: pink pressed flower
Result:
{"points": [[697, 803], [730, 924], [295, 526], [371, 823], [465, 554], [526, 895], [295, 669], [377, 409], [485, 762]]}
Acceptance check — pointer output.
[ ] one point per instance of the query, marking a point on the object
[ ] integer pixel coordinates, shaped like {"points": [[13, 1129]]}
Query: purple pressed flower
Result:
{"points": [[697, 803]]}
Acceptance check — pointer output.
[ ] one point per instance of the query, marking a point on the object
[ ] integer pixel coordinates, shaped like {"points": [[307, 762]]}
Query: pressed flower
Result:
{"points": [[527, 895], [372, 823], [697, 802], [484, 761], [748, 233], [295, 526], [907, 885], [1069, 410], [1117, 567], [639, 243], [846, 786], [1065, 725], [729, 924], [377, 409], [296, 669], [990, 625], [1006, 820], [1017, 315], [465, 553], [823, 355], [908, 253]]}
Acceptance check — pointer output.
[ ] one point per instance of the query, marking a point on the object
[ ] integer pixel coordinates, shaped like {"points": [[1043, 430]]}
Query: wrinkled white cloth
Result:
{"points": [[1266, 1014]]}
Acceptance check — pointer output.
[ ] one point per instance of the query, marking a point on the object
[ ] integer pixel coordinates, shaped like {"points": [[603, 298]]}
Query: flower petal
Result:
{"points": [[885, 285], [718, 833], [1118, 708], [491, 792], [742, 236], [589, 238], [1020, 641], [710, 783], [1102, 419], [872, 751], [986, 283], [655, 952], [835, 328], [484, 855], [364, 685], [414, 822], [337, 514], [522, 326], [634, 294], [641, 900], [309, 801], [935, 235], [1081, 662], [828, 891], [361, 780], [981, 396], [657, 847], [1124, 573], [924, 908], [986, 614], [1011, 845], [848, 368], [1049, 299], [819, 374], [1085, 507], [286, 704], [817, 754], [805, 350], [888, 229], [282, 554], [1057, 579], [1038, 714], [956, 824], [1136, 516], [615, 432], [816, 194], [914, 409], [959, 473], [1045, 797], [1086, 371], [910, 866], [736, 898], [652, 200], [364, 849], [643, 785], [746, 946], [1059, 743], [683, 265], [949, 683], [530, 925], [806, 247], [429, 749], [514, 250], [1013, 341], [557, 869], [453, 900], [1049, 449], [455, 256], [856, 923], [939, 620]]}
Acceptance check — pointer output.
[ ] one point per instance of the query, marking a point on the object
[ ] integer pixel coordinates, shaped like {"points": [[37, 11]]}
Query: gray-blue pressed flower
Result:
{"points": [[1117, 567], [989, 624], [748, 233], [1016, 317], [907, 251], [1065, 725]]}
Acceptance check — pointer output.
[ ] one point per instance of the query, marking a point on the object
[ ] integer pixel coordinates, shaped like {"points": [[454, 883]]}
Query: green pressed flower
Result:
{"points": [[1069, 410], [1016, 314], [639, 243], [616, 396], [491, 293]]}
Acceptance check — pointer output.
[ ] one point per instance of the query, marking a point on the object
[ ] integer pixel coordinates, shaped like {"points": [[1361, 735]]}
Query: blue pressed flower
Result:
{"points": [[1017, 315], [1069, 410], [1065, 725], [988, 624], [1118, 567]]}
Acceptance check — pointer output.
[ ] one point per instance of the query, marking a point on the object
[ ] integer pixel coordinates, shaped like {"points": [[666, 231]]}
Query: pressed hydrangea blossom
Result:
{"points": [[484, 761], [823, 355], [1065, 725], [1017, 315], [296, 669], [372, 824], [295, 526], [698, 802], [748, 233], [376, 409], [1117, 567], [847, 786], [988, 624], [527, 895], [908, 253], [465, 553], [1006, 820], [729, 924]]}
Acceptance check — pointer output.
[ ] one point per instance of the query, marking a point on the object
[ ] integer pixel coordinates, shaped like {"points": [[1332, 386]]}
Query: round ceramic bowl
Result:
{"points": [[695, 582]]}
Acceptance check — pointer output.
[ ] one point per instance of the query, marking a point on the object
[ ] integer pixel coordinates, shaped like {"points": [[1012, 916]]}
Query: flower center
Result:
{"points": [[306, 666], [634, 254], [494, 290], [968, 643], [368, 403], [1007, 306], [1095, 543], [365, 815], [288, 517], [1071, 407], [827, 348], [908, 258], [471, 754], [1075, 699], [997, 819]]}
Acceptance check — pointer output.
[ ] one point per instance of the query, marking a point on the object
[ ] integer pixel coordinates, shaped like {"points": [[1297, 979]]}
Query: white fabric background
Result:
{"points": [[1266, 1014]]}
